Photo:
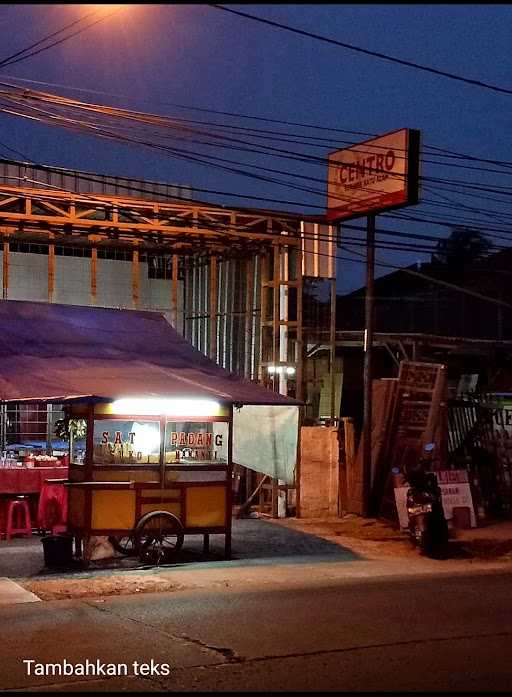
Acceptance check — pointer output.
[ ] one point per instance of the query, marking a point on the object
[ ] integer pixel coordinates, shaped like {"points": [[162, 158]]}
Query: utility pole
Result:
{"points": [[366, 436]]}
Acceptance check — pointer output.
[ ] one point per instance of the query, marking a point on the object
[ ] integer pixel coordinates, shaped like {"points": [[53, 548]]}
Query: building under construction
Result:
{"points": [[239, 283]]}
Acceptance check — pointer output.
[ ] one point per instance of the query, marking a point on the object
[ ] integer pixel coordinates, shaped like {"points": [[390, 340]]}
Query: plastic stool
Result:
{"points": [[18, 518]]}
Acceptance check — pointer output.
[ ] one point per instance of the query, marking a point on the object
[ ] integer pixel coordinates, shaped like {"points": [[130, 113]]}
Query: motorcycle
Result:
{"points": [[427, 524]]}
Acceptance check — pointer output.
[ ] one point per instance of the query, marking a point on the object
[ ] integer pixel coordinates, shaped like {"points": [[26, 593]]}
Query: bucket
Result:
{"points": [[57, 550]]}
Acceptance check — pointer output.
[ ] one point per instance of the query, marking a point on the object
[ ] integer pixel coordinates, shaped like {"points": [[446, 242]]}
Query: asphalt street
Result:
{"points": [[433, 632]]}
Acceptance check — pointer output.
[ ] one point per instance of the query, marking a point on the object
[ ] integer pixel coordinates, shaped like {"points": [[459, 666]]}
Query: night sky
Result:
{"points": [[158, 56]]}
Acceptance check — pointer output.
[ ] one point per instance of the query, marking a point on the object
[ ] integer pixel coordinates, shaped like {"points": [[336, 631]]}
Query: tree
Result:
{"points": [[463, 246]]}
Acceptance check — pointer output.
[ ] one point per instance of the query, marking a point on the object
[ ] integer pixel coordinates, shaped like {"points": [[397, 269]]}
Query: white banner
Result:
{"points": [[265, 439]]}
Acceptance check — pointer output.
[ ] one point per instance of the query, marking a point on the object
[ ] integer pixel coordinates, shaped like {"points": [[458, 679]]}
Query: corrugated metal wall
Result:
{"points": [[237, 321], [15, 173]]}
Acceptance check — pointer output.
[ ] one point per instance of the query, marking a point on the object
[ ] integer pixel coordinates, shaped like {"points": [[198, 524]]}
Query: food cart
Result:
{"points": [[151, 472], [157, 424]]}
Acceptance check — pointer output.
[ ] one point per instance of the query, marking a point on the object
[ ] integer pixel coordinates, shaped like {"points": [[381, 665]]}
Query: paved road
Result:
{"points": [[415, 633]]}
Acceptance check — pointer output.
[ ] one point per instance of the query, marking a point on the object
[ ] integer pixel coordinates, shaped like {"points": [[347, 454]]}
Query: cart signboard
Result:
{"points": [[195, 442], [375, 176]]}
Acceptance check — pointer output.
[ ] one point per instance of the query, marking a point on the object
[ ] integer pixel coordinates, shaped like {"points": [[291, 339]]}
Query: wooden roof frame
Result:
{"points": [[61, 217]]}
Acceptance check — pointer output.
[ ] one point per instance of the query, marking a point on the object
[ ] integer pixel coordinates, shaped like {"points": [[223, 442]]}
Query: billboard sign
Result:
{"points": [[375, 176]]}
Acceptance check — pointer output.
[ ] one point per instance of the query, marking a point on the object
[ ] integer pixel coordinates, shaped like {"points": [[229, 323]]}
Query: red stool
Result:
{"points": [[18, 518]]}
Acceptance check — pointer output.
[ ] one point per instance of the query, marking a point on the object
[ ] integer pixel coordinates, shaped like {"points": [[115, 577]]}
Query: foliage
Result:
{"points": [[463, 246], [67, 426]]}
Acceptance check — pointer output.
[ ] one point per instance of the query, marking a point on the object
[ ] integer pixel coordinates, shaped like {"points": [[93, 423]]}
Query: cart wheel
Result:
{"points": [[124, 544], [158, 536]]}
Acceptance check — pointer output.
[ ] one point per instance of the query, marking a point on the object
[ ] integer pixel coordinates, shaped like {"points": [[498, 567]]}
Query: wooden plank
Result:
{"points": [[383, 394], [420, 391], [319, 472], [299, 380], [275, 498], [264, 271], [346, 464]]}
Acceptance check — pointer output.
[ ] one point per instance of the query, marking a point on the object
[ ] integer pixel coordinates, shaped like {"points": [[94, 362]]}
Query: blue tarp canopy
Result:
{"points": [[58, 353]]}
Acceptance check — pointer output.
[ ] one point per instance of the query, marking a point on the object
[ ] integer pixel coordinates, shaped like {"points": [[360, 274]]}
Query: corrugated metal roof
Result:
{"points": [[53, 352]]}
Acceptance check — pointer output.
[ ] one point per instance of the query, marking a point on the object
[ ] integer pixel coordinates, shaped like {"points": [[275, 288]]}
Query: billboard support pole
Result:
{"points": [[366, 437]]}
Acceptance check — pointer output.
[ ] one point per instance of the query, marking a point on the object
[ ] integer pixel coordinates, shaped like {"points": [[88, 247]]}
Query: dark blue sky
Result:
{"points": [[198, 56]]}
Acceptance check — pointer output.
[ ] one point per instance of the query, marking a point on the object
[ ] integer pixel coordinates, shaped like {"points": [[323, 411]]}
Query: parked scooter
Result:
{"points": [[427, 524]]}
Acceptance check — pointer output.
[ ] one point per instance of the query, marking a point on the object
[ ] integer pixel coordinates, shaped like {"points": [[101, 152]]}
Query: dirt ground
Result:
{"points": [[62, 588], [379, 539], [372, 538]]}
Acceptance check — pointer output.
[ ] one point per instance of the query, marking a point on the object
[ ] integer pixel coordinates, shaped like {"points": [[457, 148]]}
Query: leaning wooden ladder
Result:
{"points": [[418, 418]]}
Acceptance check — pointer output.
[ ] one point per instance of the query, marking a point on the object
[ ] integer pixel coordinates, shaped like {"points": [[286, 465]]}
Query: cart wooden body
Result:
{"points": [[187, 472]]}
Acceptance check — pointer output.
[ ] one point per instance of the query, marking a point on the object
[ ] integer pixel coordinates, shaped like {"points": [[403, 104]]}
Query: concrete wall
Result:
{"points": [[319, 472], [72, 280], [28, 280], [28, 276], [114, 283]]}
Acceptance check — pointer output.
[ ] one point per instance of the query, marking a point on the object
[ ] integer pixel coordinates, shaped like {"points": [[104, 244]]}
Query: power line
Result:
{"points": [[196, 157], [376, 54], [183, 155], [450, 154], [61, 40], [192, 155], [275, 152], [16, 152], [9, 59], [279, 135]]}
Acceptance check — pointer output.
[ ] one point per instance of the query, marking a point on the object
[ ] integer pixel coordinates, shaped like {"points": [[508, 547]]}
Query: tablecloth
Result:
{"points": [[24, 480]]}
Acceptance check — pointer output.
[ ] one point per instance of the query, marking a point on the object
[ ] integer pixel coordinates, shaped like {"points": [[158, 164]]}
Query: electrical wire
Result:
{"points": [[273, 134], [12, 60], [196, 157], [208, 160], [278, 151], [9, 59], [445, 152], [352, 47], [450, 223], [502, 190]]}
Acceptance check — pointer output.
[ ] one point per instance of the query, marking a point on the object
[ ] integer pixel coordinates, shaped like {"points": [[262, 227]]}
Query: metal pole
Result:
{"points": [[368, 344], [249, 316], [213, 308], [49, 429], [5, 277], [332, 354], [174, 291]]}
